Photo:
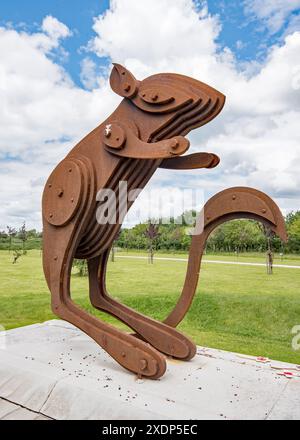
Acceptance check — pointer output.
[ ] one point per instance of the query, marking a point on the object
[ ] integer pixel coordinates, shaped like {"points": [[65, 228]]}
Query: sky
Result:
{"points": [[55, 60]]}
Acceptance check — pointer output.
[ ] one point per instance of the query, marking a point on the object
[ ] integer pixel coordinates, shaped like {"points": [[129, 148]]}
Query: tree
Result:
{"points": [[11, 233], [81, 265], [269, 235], [152, 232], [17, 255], [293, 229], [23, 236], [113, 248], [176, 237], [128, 239]]}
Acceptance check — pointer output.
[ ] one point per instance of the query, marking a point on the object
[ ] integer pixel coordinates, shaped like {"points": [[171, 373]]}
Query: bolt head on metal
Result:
{"points": [[60, 192], [174, 144], [143, 364]]}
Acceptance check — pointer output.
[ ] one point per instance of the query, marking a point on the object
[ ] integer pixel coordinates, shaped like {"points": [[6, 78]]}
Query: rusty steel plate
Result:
{"points": [[62, 193]]}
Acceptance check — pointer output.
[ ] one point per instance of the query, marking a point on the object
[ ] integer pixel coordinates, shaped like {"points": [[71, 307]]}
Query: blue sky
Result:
{"points": [[78, 15], [245, 34], [55, 61]]}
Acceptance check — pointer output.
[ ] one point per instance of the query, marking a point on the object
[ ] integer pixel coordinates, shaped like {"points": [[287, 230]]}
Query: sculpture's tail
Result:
{"points": [[233, 203]]}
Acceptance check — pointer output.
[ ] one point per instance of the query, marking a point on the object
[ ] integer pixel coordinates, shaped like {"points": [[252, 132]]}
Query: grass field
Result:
{"points": [[237, 308]]}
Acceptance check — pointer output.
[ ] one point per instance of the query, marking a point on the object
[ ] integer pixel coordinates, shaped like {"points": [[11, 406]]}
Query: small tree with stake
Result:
{"points": [[17, 255], [23, 236], [81, 266], [269, 235], [269, 254], [11, 233], [129, 238], [152, 232], [113, 248]]}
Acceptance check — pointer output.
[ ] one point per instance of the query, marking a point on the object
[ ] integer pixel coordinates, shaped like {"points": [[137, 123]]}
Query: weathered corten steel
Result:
{"points": [[144, 133]]}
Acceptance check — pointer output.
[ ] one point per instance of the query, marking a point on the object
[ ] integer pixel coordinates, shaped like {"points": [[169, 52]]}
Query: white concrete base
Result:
{"points": [[54, 371]]}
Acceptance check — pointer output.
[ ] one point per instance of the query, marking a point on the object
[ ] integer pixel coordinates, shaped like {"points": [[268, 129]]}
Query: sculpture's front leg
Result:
{"points": [[165, 339]]}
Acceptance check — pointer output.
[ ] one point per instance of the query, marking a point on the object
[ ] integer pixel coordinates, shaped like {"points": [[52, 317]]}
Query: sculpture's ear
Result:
{"points": [[123, 82]]}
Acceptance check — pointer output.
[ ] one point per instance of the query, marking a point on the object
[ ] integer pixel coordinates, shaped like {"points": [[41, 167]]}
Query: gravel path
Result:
{"points": [[239, 263]]}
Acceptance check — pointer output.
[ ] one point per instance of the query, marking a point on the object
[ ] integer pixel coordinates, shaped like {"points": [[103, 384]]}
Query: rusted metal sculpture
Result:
{"points": [[144, 133]]}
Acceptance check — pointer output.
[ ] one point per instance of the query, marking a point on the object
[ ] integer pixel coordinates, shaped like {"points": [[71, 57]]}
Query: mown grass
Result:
{"points": [[237, 308]]}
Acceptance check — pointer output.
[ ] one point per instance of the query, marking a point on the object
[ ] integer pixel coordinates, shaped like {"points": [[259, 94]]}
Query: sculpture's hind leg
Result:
{"points": [[233, 203], [63, 226], [131, 353], [159, 335]]}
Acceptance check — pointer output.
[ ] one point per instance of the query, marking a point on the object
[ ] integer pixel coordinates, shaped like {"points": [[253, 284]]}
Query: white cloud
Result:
{"points": [[55, 29], [256, 135], [293, 25], [43, 114], [88, 74], [150, 30], [273, 13]]}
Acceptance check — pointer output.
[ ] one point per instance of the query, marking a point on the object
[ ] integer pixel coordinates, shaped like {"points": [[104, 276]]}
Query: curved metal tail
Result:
{"points": [[230, 204]]}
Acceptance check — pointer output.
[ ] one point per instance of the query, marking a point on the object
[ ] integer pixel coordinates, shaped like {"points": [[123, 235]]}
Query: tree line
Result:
{"points": [[234, 236], [21, 239]]}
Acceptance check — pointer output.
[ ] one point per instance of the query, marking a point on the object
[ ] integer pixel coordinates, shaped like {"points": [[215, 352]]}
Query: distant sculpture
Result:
{"points": [[144, 133]]}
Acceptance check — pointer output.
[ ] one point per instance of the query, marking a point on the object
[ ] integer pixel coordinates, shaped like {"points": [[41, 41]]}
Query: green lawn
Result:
{"points": [[237, 308]]}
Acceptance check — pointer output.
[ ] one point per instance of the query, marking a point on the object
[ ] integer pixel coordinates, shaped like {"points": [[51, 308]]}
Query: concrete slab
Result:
{"points": [[10, 411], [53, 370]]}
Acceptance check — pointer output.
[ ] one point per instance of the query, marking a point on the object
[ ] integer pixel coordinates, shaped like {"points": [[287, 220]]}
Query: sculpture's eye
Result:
{"points": [[155, 96]]}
